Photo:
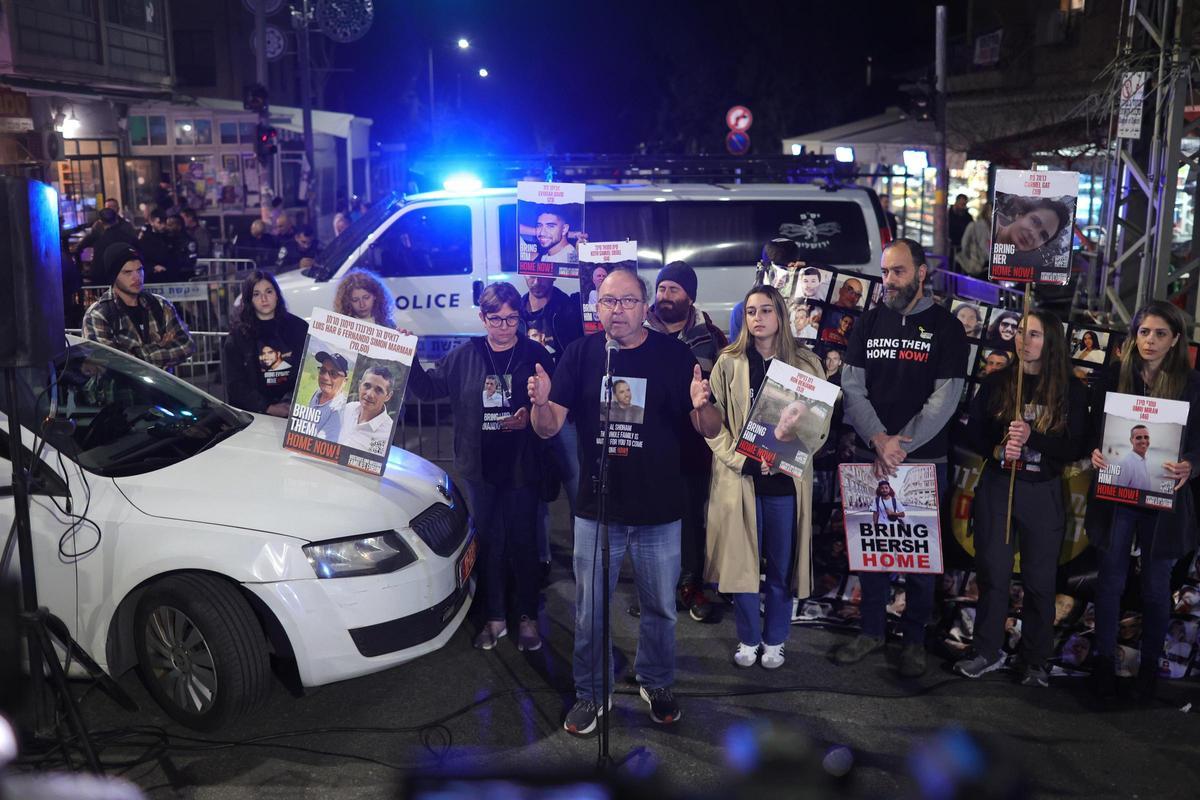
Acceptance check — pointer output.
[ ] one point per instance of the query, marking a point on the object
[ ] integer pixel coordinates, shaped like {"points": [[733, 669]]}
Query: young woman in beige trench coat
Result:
{"points": [[751, 510]]}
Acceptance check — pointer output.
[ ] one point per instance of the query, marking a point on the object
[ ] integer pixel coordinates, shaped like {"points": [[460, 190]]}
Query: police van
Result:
{"points": [[437, 251]]}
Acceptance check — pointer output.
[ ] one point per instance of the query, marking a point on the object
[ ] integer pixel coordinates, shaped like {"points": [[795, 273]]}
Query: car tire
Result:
{"points": [[200, 650]]}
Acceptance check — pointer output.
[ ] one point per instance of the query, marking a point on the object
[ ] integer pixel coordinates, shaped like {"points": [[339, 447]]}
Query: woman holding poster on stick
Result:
{"points": [[1037, 443], [754, 512], [1154, 364]]}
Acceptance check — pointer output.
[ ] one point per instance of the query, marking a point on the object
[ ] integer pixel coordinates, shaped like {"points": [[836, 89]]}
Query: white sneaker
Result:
{"points": [[772, 656], [745, 655]]}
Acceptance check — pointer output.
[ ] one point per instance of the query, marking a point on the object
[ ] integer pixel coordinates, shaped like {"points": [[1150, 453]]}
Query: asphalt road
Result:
{"points": [[461, 711]]}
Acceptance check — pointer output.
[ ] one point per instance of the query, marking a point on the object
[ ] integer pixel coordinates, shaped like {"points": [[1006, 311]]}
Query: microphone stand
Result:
{"points": [[604, 762]]}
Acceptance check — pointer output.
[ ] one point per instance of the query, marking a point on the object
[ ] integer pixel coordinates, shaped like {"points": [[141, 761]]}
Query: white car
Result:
{"points": [[172, 533]]}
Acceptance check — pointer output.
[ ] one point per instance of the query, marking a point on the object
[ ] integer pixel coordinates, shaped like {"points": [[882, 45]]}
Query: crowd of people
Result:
{"points": [[534, 401]]}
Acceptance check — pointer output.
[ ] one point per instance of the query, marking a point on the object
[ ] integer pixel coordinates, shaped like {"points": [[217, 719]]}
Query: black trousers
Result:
{"points": [[692, 529], [1039, 524]]}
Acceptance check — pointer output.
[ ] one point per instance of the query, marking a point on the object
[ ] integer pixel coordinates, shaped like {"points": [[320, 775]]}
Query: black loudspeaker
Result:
{"points": [[31, 300]]}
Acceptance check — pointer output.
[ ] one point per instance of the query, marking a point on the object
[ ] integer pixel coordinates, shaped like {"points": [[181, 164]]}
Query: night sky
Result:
{"points": [[624, 75]]}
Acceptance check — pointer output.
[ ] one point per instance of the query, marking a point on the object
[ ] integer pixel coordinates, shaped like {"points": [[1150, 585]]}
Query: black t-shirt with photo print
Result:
{"points": [[645, 483], [504, 394]]}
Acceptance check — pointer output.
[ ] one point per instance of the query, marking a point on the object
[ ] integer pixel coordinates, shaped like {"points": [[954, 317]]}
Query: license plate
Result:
{"points": [[466, 562]]}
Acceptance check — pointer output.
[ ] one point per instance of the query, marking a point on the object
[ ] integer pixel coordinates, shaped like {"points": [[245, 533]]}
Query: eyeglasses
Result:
{"points": [[507, 322], [627, 303], [332, 373], [1008, 325]]}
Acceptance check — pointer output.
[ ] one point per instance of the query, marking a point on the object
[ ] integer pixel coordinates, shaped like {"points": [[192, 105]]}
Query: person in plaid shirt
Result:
{"points": [[140, 323]]}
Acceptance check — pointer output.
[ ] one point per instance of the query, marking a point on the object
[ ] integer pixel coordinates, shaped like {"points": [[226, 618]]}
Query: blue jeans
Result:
{"points": [[918, 592], [655, 553], [776, 518], [505, 523], [564, 449], [1110, 586]]}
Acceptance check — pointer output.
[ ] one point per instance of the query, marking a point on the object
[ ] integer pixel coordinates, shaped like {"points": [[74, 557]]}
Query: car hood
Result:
{"points": [[249, 481]]}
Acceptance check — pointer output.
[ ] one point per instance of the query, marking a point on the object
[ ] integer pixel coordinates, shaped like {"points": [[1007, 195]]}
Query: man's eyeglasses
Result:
{"points": [[507, 322], [332, 373], [627, 303], [1012, 326]]}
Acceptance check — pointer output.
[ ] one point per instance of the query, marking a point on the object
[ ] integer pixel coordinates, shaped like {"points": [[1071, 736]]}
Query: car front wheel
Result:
{"points": [[201, 651]]}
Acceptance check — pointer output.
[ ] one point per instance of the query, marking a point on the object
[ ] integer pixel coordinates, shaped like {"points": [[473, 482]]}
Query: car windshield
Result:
{"points": [[123, 417], [340, 248]]}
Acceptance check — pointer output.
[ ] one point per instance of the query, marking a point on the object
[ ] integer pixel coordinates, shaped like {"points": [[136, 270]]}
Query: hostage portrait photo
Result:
{"points": [[628, 400], [836, 326], [810, 284], [805, 318], [1038, 229], [973, 317], [850, 291], [794, 426], [549, 233], [1089, 345], [497, 391], [1136, 451], [592, 275], [323, 385], [374, 399]]}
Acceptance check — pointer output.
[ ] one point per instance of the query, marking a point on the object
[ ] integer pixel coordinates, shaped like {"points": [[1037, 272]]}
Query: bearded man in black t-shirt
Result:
{"points": [[902, 377], [645, 489]]}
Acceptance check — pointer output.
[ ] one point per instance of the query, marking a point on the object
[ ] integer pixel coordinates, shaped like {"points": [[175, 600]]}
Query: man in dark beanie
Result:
{"points": [[674, 313], [130, 319]]}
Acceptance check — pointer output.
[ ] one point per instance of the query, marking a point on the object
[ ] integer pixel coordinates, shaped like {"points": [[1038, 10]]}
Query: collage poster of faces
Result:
{"points": [[789, 421], [1032, 226], [549, 225], [1141, 435], [596, 260], [992, 333], [824, 304], [350, 391]]}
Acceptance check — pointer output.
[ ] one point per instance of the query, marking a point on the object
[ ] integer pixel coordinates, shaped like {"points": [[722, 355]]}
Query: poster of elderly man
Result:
{"points": [[892, 525], [1032, 226], [350, 392], [1142, 439], [596, 261], [789, 420], [549, 228]]}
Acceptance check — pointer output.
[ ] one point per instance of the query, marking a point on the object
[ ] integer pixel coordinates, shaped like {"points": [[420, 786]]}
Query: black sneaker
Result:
{"points": [[663, 708], [1036, 676], [582, 718], [692, 598], [912, 661], [978, 665]]}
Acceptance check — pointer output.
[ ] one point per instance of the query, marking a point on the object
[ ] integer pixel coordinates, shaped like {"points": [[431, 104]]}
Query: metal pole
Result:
{"points": [[306, 105], [939, 152], [260, 36], [432, 105], [1175, 96]]}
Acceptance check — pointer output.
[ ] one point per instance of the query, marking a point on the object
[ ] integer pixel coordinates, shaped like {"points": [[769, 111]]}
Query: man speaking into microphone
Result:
{"points": [[645, 488]]}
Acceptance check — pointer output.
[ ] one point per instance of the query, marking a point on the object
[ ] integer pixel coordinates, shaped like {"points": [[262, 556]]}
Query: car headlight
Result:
{"points": [[372, 554]]}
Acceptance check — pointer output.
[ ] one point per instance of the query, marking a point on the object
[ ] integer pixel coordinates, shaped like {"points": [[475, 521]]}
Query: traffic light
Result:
{"points": [[255, 98], [266, 143], [922, 99]]}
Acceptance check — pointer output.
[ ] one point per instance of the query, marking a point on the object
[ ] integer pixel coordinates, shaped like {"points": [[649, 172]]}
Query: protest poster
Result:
{"points": [[1141, 434], [596, 260], [789, 419], [350, 391], [892, 525], [549, 222], [1032, 226]]}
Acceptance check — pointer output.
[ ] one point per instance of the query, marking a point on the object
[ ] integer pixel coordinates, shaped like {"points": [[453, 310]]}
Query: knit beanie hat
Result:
{"points": [[116, 256], [681, 273]]}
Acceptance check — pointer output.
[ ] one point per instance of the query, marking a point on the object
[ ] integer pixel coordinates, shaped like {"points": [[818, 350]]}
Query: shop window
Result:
{"points": [[141, 15], [229, 132], [139, 133], [249, 132], [185, 131], [158, 130], [203, 131]]}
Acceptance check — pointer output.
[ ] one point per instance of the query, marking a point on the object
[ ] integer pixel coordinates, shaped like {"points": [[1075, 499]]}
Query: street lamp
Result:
{"points": [[463, 44], [483, 73]]}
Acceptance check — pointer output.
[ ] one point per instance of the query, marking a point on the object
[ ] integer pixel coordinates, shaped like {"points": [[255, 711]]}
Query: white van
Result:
{"points": [[436, 251]]}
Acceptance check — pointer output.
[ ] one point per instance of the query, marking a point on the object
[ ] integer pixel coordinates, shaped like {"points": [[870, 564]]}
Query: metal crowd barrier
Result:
{"points": [[224, 268], [208, 308]]}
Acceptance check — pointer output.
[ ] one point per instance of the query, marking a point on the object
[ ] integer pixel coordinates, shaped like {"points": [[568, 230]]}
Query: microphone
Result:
{"points": [[610, 347]]}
